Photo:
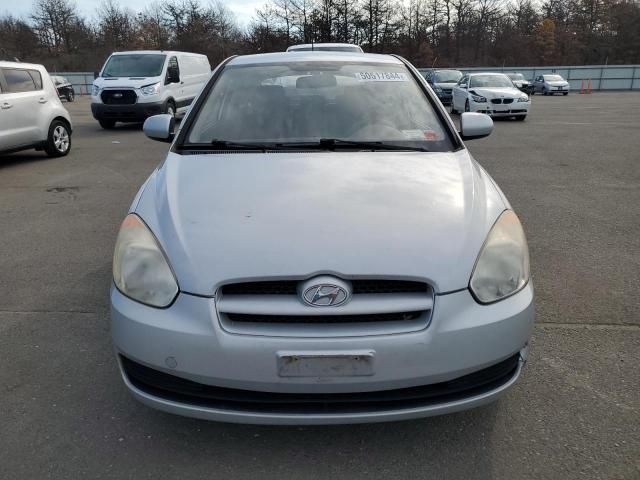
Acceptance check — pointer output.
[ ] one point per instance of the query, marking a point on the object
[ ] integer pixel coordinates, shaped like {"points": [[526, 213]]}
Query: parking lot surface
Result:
{"points": [[571, 171]]}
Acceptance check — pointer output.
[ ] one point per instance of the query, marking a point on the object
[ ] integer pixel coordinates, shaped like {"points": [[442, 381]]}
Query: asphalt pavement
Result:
{"points": [[571, 171]]}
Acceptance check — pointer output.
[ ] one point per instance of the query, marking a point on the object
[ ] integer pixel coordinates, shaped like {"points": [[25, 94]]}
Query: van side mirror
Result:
{"points": [[475, 125], [160, 127], [173, 75]]}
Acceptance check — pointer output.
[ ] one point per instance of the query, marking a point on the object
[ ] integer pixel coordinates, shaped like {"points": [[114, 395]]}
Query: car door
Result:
{"points": [[21, 104], [537, 83]]}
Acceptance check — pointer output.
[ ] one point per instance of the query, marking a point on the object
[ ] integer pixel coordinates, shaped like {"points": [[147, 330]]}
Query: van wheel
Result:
{"points": [[107, 124], [59, 139], [170, 109]]}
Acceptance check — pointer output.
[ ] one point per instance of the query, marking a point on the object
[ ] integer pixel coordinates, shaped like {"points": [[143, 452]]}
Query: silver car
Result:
{"points": [[550, 84], [319, 246]]}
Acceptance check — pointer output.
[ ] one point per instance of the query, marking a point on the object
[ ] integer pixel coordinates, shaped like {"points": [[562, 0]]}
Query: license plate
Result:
{"points": [[330, 364]]}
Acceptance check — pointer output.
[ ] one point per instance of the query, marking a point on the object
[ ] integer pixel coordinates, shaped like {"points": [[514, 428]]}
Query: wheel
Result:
{"points": [[466, 106], [70, 97], [565, 93], [452, 108], [107, 124], [170, 109], [533, 92], [520, 118], [58, 140], [544, 91]]}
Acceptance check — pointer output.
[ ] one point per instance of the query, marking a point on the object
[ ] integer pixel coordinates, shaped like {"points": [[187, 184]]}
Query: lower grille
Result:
{"points": [[118, 97], [379, 317], [176, 389]]}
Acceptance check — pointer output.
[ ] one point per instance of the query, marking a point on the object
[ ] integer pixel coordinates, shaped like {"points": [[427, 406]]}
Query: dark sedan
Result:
{"points": [[520, 82], [64, 87]]}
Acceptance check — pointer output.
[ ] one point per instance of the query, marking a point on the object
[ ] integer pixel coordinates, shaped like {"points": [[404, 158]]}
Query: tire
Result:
{"points": [[58, 139], [70, 97], [107, 124], [467, 108], [532, 93], [170, 109], [520, 118], [565, 93], [544, 91], [452, 109]]}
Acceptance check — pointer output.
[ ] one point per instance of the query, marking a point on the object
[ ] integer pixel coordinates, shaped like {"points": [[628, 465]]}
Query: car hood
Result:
{"points": [[507, 92], [244, 216], [447, 85], [125, 82]]}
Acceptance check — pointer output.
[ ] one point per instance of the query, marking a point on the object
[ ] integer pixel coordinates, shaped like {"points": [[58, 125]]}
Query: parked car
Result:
{"points": [[133, 86], [325, 47], [31, 114], [520, 82], [549, 84], [64, 87], [442, 82], [490, 93], [319, 246]]}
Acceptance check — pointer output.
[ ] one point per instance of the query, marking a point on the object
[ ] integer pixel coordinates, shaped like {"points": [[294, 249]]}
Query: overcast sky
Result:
{"points": [[243, 9]]}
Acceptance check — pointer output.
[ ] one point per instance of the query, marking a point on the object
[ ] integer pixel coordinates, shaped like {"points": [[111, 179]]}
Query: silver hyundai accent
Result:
{"points": [[319, 247]]}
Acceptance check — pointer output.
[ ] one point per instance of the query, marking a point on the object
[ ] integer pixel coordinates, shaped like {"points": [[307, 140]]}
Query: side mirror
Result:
{"points": [[173, 76], [475, 125], [159, 127], [464, 85]]}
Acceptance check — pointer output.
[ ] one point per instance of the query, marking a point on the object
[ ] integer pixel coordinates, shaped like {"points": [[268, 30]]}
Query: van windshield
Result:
{"points": [[310, 102], [134, 65]]}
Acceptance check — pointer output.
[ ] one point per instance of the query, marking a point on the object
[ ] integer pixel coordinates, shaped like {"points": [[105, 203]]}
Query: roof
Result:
{"points": [[20, 65], [327, 44], [289, 57], [485, 73], [156, 52]]}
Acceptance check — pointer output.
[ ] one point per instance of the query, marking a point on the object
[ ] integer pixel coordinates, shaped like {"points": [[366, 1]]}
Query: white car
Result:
{"points": [[135, 85], [31, 114], [490, 93], [548, 84]]}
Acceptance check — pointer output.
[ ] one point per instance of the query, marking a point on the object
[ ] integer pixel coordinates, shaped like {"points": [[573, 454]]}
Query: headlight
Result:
{"points": [[523, 99], [95, 90], [478, 98], [140, 268], [150, 89], [502, 268]]}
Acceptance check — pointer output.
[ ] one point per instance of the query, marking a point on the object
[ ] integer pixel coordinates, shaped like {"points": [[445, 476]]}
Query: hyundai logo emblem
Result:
{"points": [[325, 292]]}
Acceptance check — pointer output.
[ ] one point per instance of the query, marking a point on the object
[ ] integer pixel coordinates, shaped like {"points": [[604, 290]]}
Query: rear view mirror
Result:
{"points": [[475, 125], [159, 127], [173, 75]]}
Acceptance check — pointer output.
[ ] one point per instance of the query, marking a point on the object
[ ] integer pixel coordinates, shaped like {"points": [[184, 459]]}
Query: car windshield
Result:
{"points": [[515, 76], [134, 65], [490, 81], [553, 78], [447, 76], [304, 102]]}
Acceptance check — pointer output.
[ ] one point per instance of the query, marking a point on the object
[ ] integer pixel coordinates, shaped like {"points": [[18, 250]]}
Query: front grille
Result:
{"points": [[177, 389], [507, 100], [289, 287], [376, 307], [118, 97], [496, 100], [369, 317], [447, 90]]}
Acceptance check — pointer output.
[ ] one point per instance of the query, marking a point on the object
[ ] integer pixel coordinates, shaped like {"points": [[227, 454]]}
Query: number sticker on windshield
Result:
{"points": [[381, 76]]}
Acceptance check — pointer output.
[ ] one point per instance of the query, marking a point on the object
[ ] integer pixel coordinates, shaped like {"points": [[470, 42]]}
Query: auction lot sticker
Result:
{"points": [[381, 76]]}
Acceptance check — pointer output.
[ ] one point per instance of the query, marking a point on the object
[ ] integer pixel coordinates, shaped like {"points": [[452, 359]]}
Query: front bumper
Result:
{"points": [[501, 110], [186, 340], [136, 112]]}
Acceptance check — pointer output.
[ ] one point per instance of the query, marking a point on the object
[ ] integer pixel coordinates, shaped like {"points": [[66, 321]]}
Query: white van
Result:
{"points": [[135, 85], [31, 114]]}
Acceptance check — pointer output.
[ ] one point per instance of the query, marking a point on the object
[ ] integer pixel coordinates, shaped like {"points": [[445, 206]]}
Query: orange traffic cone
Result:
{"points": [[589, 86], [582, 86]]}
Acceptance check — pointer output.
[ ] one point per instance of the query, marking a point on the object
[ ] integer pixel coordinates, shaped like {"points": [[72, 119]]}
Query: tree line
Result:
{"points": [[427, 32]]}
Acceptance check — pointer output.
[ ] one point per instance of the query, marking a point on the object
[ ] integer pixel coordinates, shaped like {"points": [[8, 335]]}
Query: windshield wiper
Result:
{"points": [[331, 143]]}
